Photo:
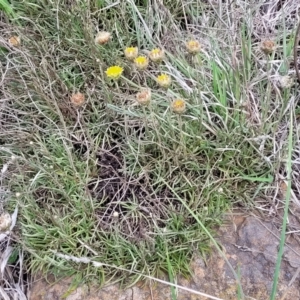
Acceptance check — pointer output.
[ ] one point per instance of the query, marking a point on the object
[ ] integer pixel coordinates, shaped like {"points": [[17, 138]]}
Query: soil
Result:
{"points": [[249, 243]]}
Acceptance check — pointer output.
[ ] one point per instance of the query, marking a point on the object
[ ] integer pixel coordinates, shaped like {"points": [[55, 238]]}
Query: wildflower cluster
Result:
{"points": [[157, 55], [141, 63]]}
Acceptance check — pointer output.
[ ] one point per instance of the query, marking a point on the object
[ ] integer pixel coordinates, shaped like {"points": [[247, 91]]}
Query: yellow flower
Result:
{"points": [[102, 37], [144, 97], [163, 80], [14, 41], [157, 55], [131, 53], [193, 46], [267, 46], [114, 72], [77, 99], [141, 62], [178, 106]]}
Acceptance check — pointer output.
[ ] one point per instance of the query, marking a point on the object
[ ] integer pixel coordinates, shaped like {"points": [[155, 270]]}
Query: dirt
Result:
{"points": [[249, 243]]}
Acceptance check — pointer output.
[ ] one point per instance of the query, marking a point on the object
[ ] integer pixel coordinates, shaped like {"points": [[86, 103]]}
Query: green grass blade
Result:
{"points": [[6, 7], [286, 208], [210, 236]]}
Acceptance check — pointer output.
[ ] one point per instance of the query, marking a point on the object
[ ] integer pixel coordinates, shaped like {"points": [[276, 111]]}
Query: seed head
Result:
{"points": [[163, 80], [193, 46], [131, 53], [157, 55], [144, 97], [141, 62], [267, 46], [14, 41], [5, 221], [178, 106], [114, 72], [115, 214], [102, 37], [286, 82], [77, 99]]}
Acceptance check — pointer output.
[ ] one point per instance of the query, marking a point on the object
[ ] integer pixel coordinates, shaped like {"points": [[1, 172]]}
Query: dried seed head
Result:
{"points": [[14, 41], [144, 97], [5, 221], [157, 55], [193, 46], [267, 46], [77, 99], [131, 53], [286, 82], [178, 106], [102, 37]]}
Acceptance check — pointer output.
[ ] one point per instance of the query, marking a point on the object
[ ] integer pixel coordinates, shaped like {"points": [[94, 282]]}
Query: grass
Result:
{"points": [[140, 188]]}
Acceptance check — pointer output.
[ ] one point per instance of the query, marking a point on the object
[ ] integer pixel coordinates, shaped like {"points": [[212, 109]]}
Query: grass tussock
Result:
{"points": [[108, 144]]}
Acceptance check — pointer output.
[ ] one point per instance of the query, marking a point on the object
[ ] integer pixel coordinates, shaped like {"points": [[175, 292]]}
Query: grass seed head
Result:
{"points": [[114, 72], [193, 46], [141, 62], [286, 82], [131, 53], [144, 97], [178, 106], [267, 46], [5, 221], [77, 99], [157, 55], [164, 80], [14, 41], [102, 37]]}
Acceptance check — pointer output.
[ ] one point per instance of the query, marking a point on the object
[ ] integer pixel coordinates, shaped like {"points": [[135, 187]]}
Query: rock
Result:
{"points": [[249, 244]]}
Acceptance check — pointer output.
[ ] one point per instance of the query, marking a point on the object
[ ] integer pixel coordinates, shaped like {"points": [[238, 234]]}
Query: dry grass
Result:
{"points": [[106, 178]]}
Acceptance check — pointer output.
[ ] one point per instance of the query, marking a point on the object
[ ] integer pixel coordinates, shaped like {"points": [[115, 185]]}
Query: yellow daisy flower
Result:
{"points": [[141, 62], [163, 80], [114, 72], [144, 97], [157, 55], [193, 46], [178, 106], [131, 53]]}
